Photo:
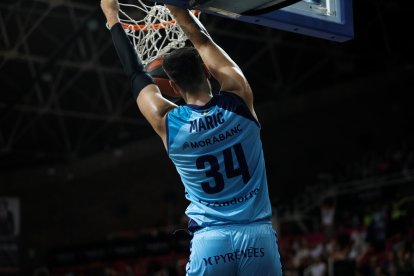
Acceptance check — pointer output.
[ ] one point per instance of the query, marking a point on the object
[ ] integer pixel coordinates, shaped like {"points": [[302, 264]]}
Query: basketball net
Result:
{"points": [[152, 29]]}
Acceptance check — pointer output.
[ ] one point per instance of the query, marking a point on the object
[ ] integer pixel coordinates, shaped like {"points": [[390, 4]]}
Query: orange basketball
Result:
{"points": [[156, 71]]}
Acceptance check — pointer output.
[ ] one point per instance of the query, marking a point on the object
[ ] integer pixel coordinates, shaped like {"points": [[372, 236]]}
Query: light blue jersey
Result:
{"points": [[217, 151]]}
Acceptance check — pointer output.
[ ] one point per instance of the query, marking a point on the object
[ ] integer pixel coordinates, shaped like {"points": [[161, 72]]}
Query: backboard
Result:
{"points": [[326, 19]]}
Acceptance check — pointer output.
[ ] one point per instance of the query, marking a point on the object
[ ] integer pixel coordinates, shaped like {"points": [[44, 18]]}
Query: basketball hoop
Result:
{"points": [[152, 28]]}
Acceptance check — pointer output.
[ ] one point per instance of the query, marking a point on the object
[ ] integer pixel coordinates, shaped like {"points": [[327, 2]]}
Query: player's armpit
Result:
{"points": [[226, 71], [155, 107]]}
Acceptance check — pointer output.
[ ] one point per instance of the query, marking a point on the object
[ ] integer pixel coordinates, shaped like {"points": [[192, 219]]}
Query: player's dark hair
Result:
{"points": [[185, 67]]}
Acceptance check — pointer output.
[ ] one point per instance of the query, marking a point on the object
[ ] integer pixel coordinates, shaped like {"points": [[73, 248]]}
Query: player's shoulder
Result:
{"points": [[223, 99], [230, 98], [231, 101], [179, 113]]}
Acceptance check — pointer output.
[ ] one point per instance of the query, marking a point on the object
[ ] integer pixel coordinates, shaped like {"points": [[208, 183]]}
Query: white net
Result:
{"points": [[152, 28]]}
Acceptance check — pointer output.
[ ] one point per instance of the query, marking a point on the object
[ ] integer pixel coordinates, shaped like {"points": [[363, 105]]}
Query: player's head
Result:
{"points": [[186, 69]]}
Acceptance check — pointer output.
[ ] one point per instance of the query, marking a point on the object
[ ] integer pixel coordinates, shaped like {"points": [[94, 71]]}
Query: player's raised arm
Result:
{"points": [[221, 66], [152, 105]]}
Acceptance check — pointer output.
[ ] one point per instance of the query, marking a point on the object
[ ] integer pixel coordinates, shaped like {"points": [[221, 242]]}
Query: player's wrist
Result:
{"points": [[173, 9], [179, 14], [112, 21]]}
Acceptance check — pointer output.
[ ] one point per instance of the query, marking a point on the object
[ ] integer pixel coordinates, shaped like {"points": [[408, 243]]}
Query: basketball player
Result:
{"points": [[214, 142]]}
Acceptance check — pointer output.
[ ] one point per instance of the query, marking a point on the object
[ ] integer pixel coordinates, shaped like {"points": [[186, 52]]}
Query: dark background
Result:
{"points": [[85, 164]]}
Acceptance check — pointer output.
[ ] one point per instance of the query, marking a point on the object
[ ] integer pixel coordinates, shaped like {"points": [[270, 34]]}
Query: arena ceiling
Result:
{"points": [[64, 95]]}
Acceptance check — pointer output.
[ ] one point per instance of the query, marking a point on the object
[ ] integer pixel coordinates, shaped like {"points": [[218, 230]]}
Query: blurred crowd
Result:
{"points": [[379, 242], [374, 237], [382, 245]]}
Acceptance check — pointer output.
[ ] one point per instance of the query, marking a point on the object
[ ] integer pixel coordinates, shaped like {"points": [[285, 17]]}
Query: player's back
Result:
{"points": [[217, 151]]}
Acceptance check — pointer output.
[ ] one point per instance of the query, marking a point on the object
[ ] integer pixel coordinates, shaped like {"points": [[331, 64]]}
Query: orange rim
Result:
{"points": [[142, 27], [156, 26]]}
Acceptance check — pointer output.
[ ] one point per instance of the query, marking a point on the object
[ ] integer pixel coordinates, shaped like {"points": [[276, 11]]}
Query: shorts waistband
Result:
{"points": [[194, 227]]}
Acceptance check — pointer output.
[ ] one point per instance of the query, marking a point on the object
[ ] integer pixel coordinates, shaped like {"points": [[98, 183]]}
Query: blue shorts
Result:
{"points": [[235, 250]]}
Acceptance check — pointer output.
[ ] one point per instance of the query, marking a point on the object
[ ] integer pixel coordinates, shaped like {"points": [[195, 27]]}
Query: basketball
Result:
{"points": [[156, 71]]}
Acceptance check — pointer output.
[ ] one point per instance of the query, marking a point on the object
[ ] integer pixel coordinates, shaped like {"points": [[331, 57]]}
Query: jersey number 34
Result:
{"points": [[230, 170]]}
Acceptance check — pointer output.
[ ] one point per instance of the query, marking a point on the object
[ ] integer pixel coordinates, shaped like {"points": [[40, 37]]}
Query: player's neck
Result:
{"points": [[200, 101], [201, 97]]}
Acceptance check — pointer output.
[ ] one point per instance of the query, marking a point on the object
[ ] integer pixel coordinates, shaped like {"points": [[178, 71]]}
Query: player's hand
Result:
{"points": [[110, 9], [175, 10], [171, 7]]}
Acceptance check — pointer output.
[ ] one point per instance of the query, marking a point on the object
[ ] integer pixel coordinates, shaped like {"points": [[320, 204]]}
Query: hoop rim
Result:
{"points": [[143, 27]]}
